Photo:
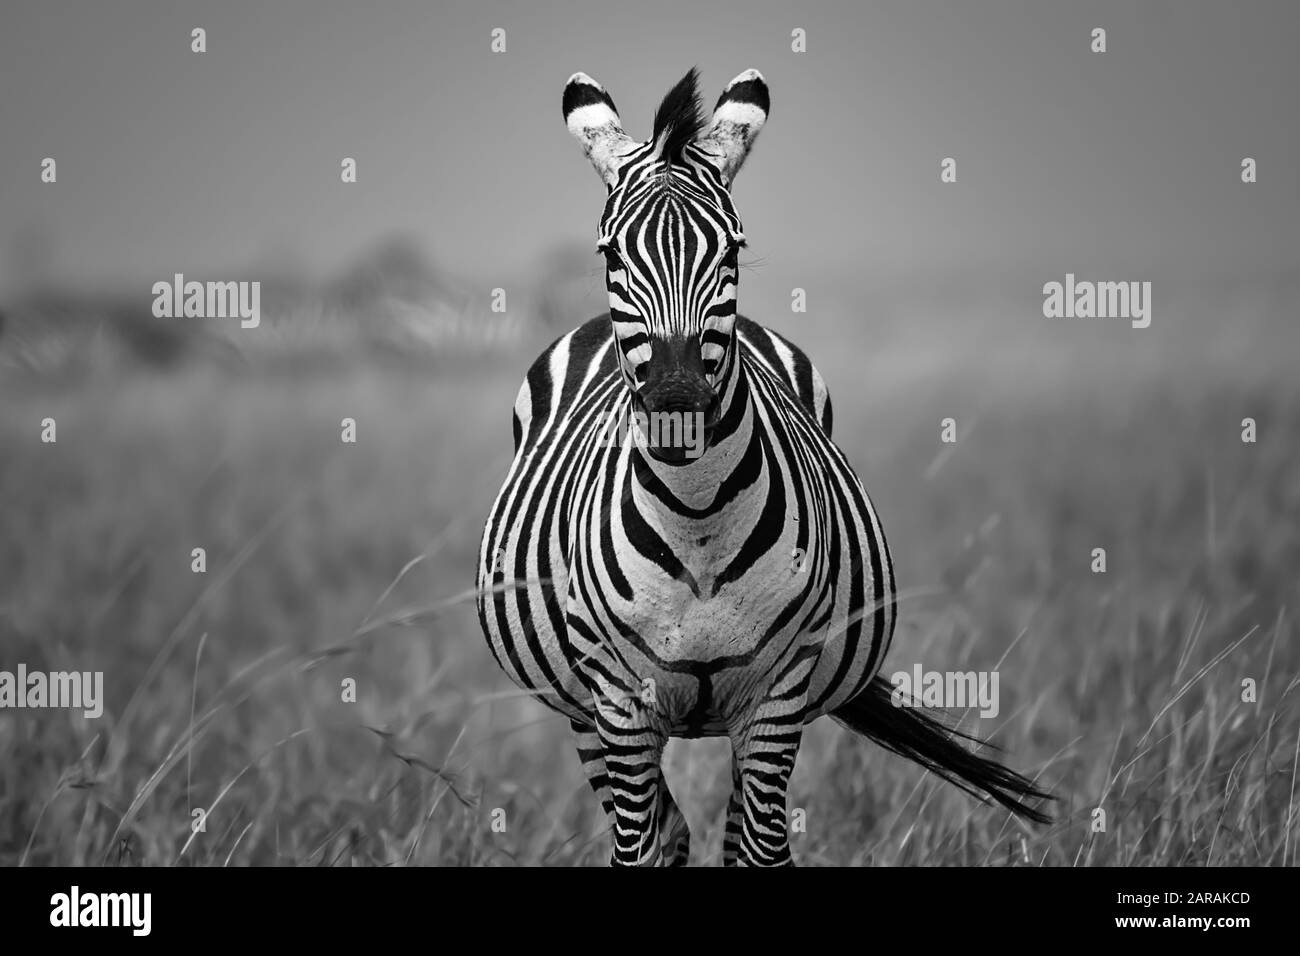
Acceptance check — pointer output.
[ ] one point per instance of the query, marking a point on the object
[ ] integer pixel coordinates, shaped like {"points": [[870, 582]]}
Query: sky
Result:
{"points": [[219, 162]]}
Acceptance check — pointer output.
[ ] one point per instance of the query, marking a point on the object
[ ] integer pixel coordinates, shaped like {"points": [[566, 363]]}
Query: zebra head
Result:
{"points": [[671, 237]]}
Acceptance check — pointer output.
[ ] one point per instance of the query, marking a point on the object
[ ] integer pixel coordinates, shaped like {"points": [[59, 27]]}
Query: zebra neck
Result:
{"points": [[711, 485]]}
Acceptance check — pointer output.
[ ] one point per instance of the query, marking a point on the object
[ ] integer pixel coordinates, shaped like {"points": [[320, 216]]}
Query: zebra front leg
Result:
{"points": [[764, 750], [592, 756], [765, 758], [735, 817], [633, 746], [675, 837]]}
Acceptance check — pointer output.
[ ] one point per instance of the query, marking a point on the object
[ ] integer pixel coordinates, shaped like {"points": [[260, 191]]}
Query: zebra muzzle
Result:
{"points": [[674, 419]]}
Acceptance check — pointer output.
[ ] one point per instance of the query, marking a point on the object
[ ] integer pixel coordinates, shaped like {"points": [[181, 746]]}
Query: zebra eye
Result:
{"points": [[612, 258]]}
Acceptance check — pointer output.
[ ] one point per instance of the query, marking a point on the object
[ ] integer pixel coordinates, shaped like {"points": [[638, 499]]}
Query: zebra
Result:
{"points": [[645, 592]]}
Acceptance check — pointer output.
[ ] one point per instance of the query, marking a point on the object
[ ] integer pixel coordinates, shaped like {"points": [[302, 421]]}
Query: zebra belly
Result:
{"points": [[705, 656], [680, 626]]}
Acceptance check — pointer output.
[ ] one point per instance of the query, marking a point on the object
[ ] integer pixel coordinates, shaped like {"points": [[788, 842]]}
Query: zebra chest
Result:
{"points": [[691, 605]]}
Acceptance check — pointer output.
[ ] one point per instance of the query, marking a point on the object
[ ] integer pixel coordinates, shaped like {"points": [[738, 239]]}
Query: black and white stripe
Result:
{"points": [[643, 594]]}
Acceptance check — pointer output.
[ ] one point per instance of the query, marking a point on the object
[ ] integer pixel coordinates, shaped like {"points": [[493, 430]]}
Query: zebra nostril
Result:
{"points": [[711, 412]]}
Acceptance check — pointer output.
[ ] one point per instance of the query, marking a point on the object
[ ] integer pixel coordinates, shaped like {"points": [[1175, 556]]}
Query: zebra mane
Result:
{"points": [[680, 115]]}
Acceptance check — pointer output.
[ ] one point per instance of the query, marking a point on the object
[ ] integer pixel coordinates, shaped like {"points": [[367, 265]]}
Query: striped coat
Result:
{"points": [[732, 581], [784, 560]]}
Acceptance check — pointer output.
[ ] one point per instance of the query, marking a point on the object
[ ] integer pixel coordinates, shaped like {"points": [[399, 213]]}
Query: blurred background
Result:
{"points": [[328, 561]]}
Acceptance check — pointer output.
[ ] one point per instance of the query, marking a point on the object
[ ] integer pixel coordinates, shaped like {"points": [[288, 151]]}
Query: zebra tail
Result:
{"points": [[914, 733]]}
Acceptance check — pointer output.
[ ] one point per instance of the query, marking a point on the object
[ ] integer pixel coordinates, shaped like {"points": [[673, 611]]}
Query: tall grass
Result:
{"points": [[325, 561]]}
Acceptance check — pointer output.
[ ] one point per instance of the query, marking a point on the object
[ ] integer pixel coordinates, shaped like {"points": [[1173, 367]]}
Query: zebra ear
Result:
{"points": [[741, 112], [593, 120]]}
